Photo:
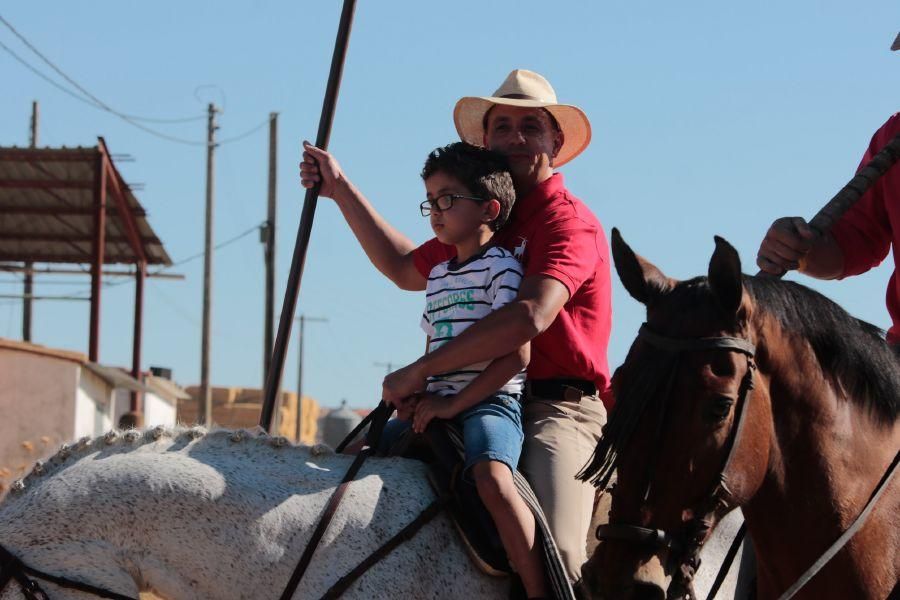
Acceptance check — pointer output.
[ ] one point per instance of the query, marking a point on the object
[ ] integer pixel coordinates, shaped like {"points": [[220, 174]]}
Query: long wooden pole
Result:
{"points": [[850, 194], [205, 408], [276, 367], [271, 212], [29, 273], [856, 187], [140, 273]]}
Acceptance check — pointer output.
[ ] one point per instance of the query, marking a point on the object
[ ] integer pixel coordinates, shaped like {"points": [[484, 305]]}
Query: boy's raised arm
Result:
{"points": [[388, 249]]}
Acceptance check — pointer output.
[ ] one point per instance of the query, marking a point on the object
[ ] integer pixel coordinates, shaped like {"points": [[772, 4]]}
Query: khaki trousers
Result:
{"points": [[560, 437]]}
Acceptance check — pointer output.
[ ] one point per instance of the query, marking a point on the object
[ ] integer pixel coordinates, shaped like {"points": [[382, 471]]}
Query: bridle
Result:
{"points": [[686, 546]]}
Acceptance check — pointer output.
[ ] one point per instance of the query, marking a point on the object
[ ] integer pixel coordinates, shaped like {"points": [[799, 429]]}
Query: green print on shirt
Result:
{"points": [[463, 299], [443, 330]]}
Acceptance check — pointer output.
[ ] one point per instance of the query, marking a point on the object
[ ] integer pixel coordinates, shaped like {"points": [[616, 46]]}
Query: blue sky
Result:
{"points": [[708, 118]]}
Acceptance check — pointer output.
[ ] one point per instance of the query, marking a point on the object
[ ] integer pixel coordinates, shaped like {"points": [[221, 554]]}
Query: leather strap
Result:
{"points": [[379, 417], [671, 344], [404, 535], [844, 537], [13, 568], [556, 388], [641, 535], [726, 564]]}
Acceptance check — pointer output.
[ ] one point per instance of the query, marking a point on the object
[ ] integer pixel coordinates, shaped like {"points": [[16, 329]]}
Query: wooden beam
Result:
{"points": [[33, 297], [131, 229], [62, 210], [47, 154], [106, 273], [63, 237], [43, 184], [83, 259]]}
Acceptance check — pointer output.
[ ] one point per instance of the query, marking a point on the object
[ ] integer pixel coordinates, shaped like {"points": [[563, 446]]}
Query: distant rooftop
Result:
{"points": [[48, 207]]}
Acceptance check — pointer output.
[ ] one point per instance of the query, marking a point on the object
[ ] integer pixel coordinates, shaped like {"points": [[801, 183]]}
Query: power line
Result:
{"points": [[109, 284], [95, 102], [216, 247]]}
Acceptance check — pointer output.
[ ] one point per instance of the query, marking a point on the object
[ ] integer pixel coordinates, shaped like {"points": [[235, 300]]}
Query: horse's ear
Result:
{"points": [[641, 278], [725, 276]]}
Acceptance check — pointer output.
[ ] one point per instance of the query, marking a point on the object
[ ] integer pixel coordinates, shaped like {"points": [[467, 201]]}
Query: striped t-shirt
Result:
{"points": [[458, 295]]}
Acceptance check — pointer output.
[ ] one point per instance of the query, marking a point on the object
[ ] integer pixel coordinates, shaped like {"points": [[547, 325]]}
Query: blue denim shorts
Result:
{"points": [[492, 430]]}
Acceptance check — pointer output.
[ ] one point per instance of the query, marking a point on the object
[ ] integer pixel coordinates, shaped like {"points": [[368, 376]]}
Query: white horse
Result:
{"points": [[189, 514]]}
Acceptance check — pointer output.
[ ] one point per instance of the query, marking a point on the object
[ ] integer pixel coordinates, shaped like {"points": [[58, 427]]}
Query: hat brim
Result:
{"points": [[468, 116]]}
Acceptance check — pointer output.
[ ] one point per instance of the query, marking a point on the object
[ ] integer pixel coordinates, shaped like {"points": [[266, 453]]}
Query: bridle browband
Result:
{"points": [[687, 545]]}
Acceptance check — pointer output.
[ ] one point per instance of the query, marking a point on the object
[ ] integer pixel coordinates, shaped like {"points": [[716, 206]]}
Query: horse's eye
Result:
{"points": [[720, 407]]}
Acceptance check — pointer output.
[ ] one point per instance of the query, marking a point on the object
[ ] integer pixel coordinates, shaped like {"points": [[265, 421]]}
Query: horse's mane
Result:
{"points": [[853, 354], [132, 439]]}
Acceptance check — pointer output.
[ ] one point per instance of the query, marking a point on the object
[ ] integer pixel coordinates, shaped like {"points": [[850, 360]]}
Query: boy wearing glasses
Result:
{"points": [[470, 194]]}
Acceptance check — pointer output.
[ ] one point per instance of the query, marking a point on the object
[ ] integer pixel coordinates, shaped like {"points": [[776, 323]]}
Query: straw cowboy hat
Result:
{"points": [[527, 89]]}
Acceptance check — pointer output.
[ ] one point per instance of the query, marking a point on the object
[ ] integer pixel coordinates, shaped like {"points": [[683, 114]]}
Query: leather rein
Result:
{"points": [[688, 545]]}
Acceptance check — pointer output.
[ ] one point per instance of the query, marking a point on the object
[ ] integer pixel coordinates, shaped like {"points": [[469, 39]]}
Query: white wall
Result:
{"points": [[93, 406], [157, 410]]}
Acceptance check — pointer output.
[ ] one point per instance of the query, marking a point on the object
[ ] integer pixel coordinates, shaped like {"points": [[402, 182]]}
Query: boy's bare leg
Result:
{"points": [[514, 522]]}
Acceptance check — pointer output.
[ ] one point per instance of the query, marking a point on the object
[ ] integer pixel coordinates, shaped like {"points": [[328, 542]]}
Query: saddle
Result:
{"points": [[440, 447]]}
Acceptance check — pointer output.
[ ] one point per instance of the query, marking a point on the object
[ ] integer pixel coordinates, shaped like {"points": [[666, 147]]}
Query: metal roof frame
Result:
{"points": [[71, 205]]}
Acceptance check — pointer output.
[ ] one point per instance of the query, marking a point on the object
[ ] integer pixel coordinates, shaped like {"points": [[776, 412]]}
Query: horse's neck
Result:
{"points": [[819, 474]]}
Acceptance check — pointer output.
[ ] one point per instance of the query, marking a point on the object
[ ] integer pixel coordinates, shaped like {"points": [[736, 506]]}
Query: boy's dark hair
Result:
{"points": [[484, 172]]}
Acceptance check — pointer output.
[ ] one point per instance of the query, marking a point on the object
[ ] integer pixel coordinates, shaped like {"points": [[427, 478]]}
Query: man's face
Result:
{"points": [[526, 136]]}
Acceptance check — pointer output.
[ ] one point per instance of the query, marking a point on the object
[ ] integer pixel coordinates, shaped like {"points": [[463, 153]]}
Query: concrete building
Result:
{"points": [[49, 397]]}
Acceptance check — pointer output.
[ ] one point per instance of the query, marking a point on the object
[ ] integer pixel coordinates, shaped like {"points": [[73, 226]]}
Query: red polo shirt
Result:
{"points": [[554, 234], [867, 231]]}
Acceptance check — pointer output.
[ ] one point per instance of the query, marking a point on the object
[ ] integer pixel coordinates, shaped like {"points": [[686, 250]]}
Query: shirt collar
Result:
{"points": [[538, 197]]}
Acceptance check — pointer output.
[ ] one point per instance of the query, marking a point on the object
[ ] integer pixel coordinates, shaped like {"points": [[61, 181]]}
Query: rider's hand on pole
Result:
{"points": [[319, 167], [787, 242]]}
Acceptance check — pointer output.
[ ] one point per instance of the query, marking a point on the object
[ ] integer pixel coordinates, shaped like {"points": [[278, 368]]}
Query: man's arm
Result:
{"points": [[494, 377], [389, 250], [500, 333], [790, 244]]}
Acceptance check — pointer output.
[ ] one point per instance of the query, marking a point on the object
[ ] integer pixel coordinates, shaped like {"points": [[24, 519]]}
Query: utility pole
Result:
{"points": [[389, 366], [303, 319], [29, 276], [205, 407], [269, 241]]}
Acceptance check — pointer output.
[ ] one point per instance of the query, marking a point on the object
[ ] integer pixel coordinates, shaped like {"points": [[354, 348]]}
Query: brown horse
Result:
{"points": [[754, 393]]}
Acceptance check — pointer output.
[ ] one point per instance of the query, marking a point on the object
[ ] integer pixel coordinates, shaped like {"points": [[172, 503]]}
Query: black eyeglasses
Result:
{"points": [[444, 202]]}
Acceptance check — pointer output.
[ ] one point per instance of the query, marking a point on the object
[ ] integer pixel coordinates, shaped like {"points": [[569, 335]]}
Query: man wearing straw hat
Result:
{"points": [[563, 306], [859, 241]]}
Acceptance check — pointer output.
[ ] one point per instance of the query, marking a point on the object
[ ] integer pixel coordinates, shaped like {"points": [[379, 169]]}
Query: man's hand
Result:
{"points": [[786, 244], [403, 383], [432, 406], [320, 167]]}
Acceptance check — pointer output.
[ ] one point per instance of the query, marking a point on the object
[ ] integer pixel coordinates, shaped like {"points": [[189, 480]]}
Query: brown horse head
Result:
{"points": [[692, 433]]}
